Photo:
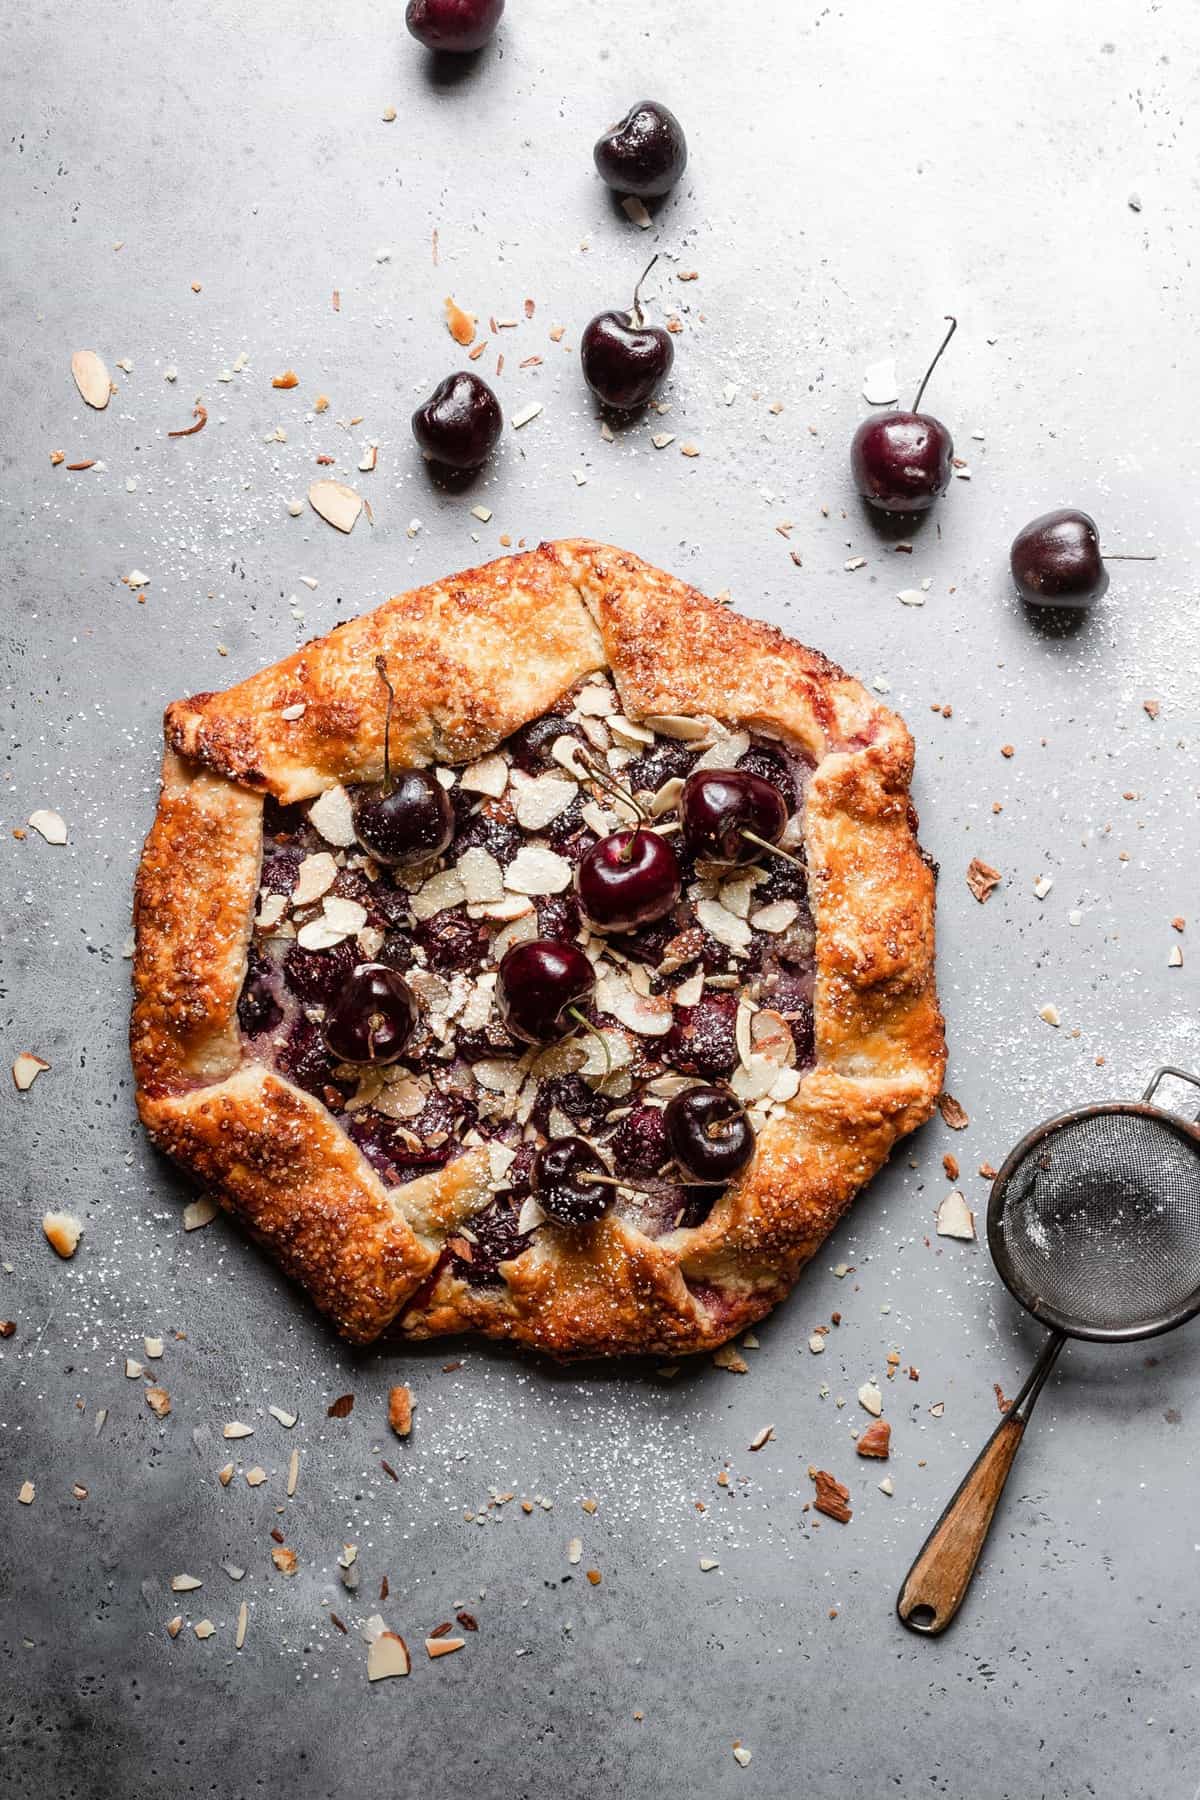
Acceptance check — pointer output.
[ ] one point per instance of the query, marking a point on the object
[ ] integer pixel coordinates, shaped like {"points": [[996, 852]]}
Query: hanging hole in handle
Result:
{"points": [[921, 1618]]}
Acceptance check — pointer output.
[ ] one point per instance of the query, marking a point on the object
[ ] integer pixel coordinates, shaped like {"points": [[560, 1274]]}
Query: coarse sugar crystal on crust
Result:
{"points": [[401, 1198]]}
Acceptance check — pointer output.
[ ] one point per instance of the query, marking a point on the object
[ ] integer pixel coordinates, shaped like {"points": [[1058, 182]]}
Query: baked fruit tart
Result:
{"points": [[547, 954]]}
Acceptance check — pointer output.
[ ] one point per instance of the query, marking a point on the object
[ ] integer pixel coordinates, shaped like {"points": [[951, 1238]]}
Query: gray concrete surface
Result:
{"points": [[856, 172]]}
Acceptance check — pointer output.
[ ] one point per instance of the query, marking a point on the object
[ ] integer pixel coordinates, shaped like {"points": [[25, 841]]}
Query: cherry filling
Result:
{"points": [[405, 1027]]}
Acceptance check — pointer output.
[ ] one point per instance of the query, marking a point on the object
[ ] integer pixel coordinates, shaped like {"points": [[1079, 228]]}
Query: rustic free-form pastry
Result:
{"points": [[747, 1022]]}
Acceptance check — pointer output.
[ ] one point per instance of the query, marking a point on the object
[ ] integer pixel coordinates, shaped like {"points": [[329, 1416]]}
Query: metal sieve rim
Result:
{"points": [[1032, 1302]]}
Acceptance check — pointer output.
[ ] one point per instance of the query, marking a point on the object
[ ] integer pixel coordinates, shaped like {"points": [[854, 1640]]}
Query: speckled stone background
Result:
{"points": [[856, 172]]}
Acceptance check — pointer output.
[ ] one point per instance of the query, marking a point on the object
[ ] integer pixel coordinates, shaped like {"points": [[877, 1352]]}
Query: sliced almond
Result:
{"points": [[446, 1646], [543, 800], [870, 1398], [537, 870], [400, 1410], [92, 379], [185, 1584], [198, 1213], [726, 753], [481, 876], [26, 1493], [49, 825], [235, 1429], [955, 1218], [776, 916], [204, 1629], [723, 925], [435, 895], [487, 776], [314, 877], [336, 503], [63, 1232], [388, 1656], [285, 1560], [332, 817], [26, 1069], [460, 324], [680, 727], [243, 1620], [158, 1400], [286, 1419], [175, 1626]]}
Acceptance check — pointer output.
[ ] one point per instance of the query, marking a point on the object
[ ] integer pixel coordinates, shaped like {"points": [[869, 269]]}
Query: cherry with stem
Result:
{"points": [[409, 818]]}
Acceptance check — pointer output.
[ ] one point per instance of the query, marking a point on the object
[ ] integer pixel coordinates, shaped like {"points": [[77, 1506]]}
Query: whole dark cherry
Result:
{"points": [[372, 1018], [644, 153], [542, 984], [407, 819], [628, 879], [564, 1183], [728, 815], [901, 461], [709, 1133], [460, 424], [625, 361], [1056, 560], [457, 25]]}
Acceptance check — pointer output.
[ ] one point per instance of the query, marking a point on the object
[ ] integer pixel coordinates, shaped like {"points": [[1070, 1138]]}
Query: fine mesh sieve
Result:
{"points": [[1094, 1226]]}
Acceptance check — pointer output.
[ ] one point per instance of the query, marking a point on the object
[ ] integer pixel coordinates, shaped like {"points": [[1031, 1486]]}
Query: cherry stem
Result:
{"points": [[937, 359], [635, 311], [763, 844], [573, 1012], [381, 671], [1124, 556], [612, 787], [637, 1188]]}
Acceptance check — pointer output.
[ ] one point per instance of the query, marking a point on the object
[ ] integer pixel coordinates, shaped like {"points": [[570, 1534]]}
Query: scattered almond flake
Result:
{"points": [[369, 459], [387, 1657], [982, 879], [295, 508], [243, 1619], [158, 1400], [1050, 1014], [225, 1474], [742, 1756], [875, 1441], [235, 1429], [526, 414], [880, 384], [962, 471], [26, 1069], [153, 1347], [635, 212], [26, 1493], [339, 919], [92, 379], [286, 1419], [293, 1474], [762, 1437], [49, 825], [870, 1398], [133, 1369], [689, 449], [661, 439], [854, 562], [726, 752], [204, 1629], [234, 1572], [775, 917], [708, 1564], [1042, 886], [481, 876], [1175, 959], [185, 1584], [911, 597], [285, 1560], [723, 925], [487, 776], [542, 800], [175, 1626], [136, 579], [336, 503], [955, 1218], [57, 457], [255, 1476], [171, 373], [831, 1498], [433, 896], [198, 1213], [315, 876], [400, 1410], [729, 1358], [536, 870], [482, 513], [443, 1646], [63, 1231]]}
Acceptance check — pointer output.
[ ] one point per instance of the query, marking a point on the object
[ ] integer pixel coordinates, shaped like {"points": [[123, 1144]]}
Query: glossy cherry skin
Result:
{"points": [[562, 1184], [372, 1018], [625, 364], [539, 980], [628, 879], [644, 153], [718, 806], [709, 1133], [460, 424], [404, 822], [457, 25], [901, 461], [1056, 560]]}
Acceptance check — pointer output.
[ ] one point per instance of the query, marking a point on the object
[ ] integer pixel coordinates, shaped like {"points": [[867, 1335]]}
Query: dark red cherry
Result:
{"points": [[406, 823], [564, 1183], [460, 424], [902, 461], [453, 24], [709, 1133], [625, 361], [718, 807], [372, 1018], [1056, 560], [540, 982], [628, 879], [645, 153]]}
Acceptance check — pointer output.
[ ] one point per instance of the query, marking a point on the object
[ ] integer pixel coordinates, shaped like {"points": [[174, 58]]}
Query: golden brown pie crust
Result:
{"points": [[481, 654]]}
